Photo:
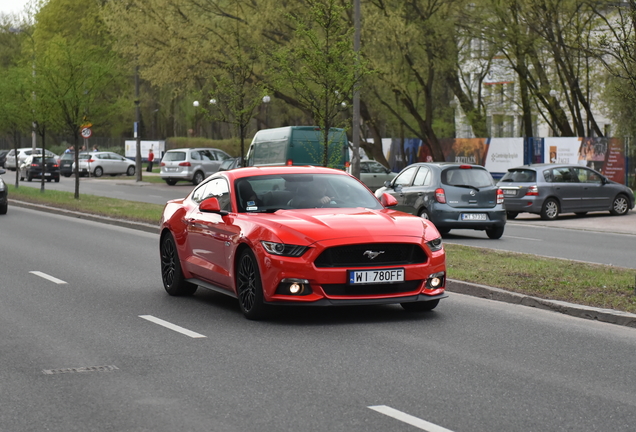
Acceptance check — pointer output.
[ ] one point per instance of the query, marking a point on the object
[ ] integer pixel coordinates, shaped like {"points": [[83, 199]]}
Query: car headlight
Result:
{"points": [[435, 244], [283, 249], [2, 186]]}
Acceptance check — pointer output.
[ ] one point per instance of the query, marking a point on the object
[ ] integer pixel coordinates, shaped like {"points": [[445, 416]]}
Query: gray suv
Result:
{"points": [[190, 164], [551, 189], [451, 195]]}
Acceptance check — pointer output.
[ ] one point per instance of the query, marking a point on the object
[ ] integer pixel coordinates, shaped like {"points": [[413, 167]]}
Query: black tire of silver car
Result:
{"points": [[130, 171], [98, 172], [422, 306], [171, 273], [197, 178], [512, 215], [550, 209], [495, 232], [171, 182], [620, 205], [249, 287], [3, 208]]}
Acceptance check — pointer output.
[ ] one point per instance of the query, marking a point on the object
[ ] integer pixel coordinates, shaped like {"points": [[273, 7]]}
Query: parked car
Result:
{"points": [[240, 233], [22, 155], [99, 163], [551, 189], [451, 195], [66, 163], [229, 164], [32, 168], [3, 157], [374, 174], [190, 164], [4, 195]]}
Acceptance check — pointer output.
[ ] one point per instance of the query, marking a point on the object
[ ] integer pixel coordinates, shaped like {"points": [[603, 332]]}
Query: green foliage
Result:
{"points": [[230, 146]]}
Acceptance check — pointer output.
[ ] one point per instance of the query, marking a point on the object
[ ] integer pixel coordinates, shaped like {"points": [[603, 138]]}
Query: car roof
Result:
{"points": [[194, 148], [539, 166], [280, 169]]}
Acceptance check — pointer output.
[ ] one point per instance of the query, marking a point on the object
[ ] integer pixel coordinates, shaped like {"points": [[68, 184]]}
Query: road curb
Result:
{"points": [[598, 314], [86, 216], [475, 290]]}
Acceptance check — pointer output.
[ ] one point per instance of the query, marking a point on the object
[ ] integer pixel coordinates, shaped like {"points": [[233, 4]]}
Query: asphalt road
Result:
{"points": [[85, 352]]}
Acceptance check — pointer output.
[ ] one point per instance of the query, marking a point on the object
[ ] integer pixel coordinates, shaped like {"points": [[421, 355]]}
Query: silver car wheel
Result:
{"points": [[550, 209], [619, 206]]}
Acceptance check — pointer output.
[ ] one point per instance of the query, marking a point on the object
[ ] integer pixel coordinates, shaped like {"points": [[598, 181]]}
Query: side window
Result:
{"points": [[206, 155], [563, 175], [377, 168], [421, 177], [364, 168], [195, 155], [405, 178], [217, 188], [587, 176], [220, 155]]}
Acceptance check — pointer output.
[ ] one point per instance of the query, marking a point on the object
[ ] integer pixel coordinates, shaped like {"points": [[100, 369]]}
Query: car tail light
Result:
{"points": [[185, 164], [440, 196], [533, 190], [465, 167], [289, 162], [91, 160], [162, 164], [35, 164], [55, 165], [500, 196]]}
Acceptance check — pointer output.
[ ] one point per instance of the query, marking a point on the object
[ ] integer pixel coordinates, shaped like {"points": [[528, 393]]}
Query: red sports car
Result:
{"points": [[299, 236]]}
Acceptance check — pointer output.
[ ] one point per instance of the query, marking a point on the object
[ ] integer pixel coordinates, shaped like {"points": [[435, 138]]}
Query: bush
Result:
{"points": [[230, 146]]}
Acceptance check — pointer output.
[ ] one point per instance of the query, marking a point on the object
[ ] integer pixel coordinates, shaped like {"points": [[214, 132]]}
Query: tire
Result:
{"points": [[198, 178], [424, 214], [249, 288], [57, 180], [512, 215], [550, 209], [171, 272], [29, 177], [620, 205], [579, 214], [66, 175], [49, 180], [422, 306], [3, 208], [99, 171], [443, 231], [171, 182], [495, 232], [130, 171]]}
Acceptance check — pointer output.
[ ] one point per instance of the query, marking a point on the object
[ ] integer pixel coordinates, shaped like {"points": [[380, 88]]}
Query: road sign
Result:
{"points": [[86, 132]]}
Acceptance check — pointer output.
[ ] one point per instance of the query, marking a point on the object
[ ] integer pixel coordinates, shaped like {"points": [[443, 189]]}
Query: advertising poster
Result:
{"points": [[503, 153], [614, 167], [158, 148], [562, 150]]}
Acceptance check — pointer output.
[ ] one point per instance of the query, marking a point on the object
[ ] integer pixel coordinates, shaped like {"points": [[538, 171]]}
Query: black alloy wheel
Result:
{"points": [[171, 273], [249, 287]]}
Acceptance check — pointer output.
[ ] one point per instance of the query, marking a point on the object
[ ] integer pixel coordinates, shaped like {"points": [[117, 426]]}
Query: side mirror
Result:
{"points": [[2, 171], [387, 183], [211, 205], [388, 200]]}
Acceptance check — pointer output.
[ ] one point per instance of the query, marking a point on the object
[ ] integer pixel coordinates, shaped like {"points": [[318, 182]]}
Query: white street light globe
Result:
{"points": [[212, 101], [195, 104], [266, 99]]}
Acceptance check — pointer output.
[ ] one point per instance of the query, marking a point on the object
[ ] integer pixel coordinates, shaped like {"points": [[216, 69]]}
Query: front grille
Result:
{"points": [[388, 254], [364, 290]]}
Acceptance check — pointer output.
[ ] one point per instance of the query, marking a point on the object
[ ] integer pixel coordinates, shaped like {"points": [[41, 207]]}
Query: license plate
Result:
{"points": [[474, 216], [509, 192], [366, 277], [47, 174], [172, 169]]}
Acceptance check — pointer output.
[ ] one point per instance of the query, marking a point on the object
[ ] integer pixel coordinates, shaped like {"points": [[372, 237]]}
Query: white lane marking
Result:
{"points": [[48, 277], [409, 419], [171, 326]]}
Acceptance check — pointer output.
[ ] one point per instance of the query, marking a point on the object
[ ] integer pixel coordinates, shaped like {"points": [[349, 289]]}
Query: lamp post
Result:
{"points": [[212, 131], [266, 100], [195, 104]]}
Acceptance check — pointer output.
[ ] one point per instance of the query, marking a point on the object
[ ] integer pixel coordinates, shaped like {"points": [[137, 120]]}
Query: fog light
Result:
{"points": [[295, 288], [435, 282]]}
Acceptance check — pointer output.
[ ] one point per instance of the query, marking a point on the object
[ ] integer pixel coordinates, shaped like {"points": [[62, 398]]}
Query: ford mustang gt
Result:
{"points": [[299, 236]]}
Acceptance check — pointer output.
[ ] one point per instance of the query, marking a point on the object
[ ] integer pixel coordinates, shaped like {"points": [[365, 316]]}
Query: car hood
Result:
{"points": [[316, 225]]}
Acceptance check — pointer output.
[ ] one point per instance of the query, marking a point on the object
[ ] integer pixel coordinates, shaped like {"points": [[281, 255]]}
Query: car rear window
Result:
{"points": [[68, 156], [174, 156], [520, 176], [467, 177]]}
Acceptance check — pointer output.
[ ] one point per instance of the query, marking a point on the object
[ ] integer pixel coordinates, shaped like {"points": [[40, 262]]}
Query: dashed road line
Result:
{"points": [[48, 277], [408, 419], [171, 326]]}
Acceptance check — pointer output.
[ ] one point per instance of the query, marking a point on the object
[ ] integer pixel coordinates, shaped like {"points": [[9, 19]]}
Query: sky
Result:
{"points": [[12, 6]]}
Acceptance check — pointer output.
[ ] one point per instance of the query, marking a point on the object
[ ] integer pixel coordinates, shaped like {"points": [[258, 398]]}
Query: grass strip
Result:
{"points": [[550, 278]]}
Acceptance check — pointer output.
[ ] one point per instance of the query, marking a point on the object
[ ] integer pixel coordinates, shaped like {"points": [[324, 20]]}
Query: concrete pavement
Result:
{"points": [[601, 222]]}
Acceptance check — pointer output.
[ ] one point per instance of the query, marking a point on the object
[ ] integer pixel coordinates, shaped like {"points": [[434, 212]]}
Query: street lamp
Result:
{"points": [[195, 104], [266, 100], [213, 133]]}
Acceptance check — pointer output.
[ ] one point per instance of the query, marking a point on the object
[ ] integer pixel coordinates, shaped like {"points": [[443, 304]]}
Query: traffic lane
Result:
{"points": [[589, 246], [334, 362], [120, 188]]}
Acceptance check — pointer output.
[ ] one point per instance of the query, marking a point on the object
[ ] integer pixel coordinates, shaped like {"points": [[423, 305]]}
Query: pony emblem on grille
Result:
{"points": [[371, 254]]}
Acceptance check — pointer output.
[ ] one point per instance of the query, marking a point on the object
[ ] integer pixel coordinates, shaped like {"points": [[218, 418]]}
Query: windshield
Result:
{"points": [[298, 191]]}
